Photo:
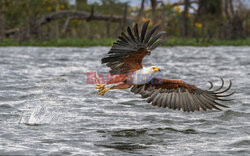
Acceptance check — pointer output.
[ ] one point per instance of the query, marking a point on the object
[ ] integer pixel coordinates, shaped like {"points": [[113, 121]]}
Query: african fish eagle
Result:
{"points": [[125, 59]]}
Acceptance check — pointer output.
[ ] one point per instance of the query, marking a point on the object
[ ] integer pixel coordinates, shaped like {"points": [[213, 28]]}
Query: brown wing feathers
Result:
{"points": [[170, 84], [128, 51], [179, 95]]}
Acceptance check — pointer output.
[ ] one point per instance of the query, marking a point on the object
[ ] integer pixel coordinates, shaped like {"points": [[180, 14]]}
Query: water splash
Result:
{"points": [[39, 116]]}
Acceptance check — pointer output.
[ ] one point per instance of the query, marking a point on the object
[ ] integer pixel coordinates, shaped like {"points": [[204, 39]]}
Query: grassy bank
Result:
{"points": [[67, 42], [213, 42], [80, 42]]}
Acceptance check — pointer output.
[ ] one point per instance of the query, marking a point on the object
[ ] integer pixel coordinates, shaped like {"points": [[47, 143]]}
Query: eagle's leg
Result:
{"points": [[119, 86], [103, 91], [120, 78]]}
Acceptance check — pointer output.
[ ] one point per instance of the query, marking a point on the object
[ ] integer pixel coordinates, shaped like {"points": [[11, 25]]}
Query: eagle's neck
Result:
{"points": [[143, 75]]}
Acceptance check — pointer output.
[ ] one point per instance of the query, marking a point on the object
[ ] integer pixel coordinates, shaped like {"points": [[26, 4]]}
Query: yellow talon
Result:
{"points": [[100, 86], [103, 91]]}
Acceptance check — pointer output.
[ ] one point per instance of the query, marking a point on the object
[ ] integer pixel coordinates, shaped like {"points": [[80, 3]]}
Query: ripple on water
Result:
{"points": [[244, 143], [47, 107]]}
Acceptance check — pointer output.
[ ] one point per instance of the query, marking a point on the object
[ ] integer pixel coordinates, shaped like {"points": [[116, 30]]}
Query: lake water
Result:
{"points": [[46, 106]]}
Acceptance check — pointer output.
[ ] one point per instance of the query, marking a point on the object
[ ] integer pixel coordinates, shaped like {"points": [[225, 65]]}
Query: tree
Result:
{"points": [[210, 15], [153, 7], [80, 4], [1, 23], [141, 10], [184, 21], [235, 21]]}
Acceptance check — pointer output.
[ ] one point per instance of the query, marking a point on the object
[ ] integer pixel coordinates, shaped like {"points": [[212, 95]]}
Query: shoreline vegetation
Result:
{"points": [[82, 23], [84, 42]]}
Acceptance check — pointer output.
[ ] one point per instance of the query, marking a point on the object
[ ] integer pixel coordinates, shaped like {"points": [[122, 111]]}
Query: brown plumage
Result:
{"points": [[125, 59], [176, 94], [134, 61], [127, 53], [171, 84]]}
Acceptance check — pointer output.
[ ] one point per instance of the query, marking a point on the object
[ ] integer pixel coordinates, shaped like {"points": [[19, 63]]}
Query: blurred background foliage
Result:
{"points": [[198, 20]]}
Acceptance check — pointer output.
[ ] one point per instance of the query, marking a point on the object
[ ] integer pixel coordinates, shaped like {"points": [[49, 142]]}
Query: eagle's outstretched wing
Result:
{"points": [[128, 51], [176, 94]]}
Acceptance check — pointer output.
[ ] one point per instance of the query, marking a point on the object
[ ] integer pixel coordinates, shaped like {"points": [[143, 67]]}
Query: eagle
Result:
{"points": [[125, 62]]}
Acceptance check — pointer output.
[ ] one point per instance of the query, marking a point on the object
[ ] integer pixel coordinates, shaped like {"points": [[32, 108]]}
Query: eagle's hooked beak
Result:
{"points": [[156, 69]]}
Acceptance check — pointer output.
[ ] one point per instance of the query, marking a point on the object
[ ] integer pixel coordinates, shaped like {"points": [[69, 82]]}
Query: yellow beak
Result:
{"points": [[156, 69]]}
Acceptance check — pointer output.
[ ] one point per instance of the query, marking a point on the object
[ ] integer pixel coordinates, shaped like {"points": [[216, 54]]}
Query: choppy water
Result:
{"points": [[46, 107]]}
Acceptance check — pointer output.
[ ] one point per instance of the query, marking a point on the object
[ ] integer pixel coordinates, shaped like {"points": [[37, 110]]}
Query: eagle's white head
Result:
{"points": [[145, 74], [151, 70]]}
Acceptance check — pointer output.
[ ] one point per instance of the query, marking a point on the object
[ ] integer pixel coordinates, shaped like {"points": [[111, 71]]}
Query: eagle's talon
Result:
{"points": [[103, 91], [100, 86]]}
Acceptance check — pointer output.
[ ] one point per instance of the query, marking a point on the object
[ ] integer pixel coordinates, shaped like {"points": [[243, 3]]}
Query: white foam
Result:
{"points": [[40, 115]]}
